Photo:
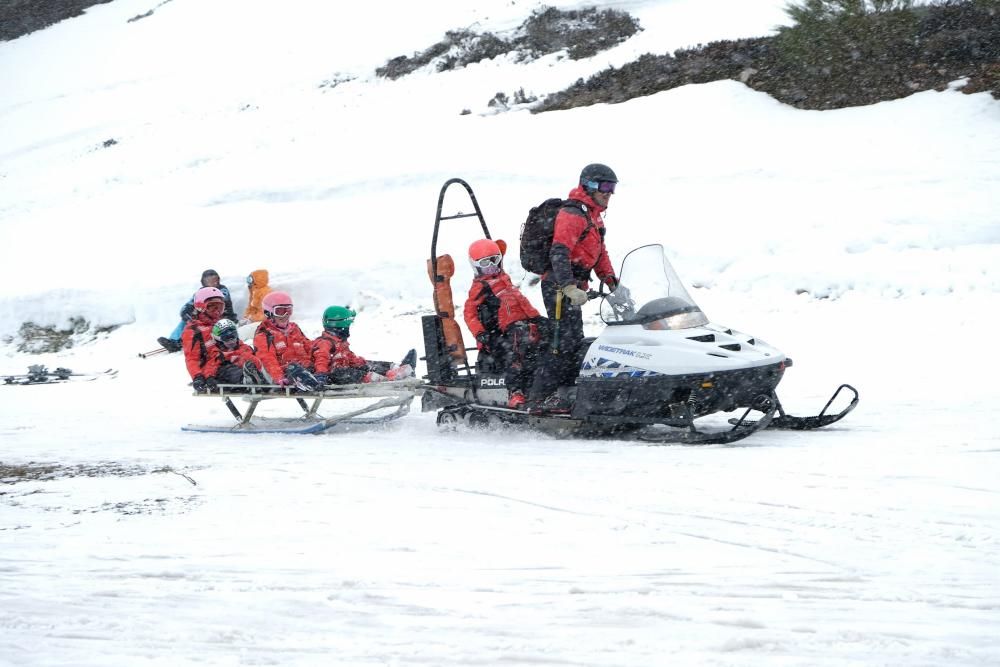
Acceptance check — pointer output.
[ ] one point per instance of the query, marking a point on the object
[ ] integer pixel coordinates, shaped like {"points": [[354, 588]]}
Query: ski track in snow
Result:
{"points": [[862, 242], [403, 545]]}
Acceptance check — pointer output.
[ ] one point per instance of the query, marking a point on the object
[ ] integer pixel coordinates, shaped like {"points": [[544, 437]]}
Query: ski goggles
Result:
{"points": [[492, 260], [215, 304], [281, 311], [229, 335], [607, 187]]}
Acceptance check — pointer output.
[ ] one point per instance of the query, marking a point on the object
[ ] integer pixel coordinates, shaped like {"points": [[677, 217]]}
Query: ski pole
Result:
{"points": [[555, 329], [159, 350]]}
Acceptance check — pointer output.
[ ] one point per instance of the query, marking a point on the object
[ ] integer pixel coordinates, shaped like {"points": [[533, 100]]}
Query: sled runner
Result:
{"points": [[41, 375], [660, 372], [393, 401]]}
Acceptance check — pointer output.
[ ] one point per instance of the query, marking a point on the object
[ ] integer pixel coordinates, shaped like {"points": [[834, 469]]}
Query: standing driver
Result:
{"points": [[577, 250]]}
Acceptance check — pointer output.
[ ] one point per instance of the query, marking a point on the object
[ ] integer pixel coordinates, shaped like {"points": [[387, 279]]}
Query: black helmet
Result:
{"points": [[596, 173], [206, 274]]}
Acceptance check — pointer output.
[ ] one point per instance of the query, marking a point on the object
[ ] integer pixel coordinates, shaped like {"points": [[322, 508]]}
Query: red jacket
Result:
{"points": [[276, 348], [513, 306], [331, 352], [240, 355], [585, 254], [201, 354]]}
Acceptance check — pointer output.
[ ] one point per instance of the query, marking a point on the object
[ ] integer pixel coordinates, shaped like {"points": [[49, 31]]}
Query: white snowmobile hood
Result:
{"points": [[638, 352]]}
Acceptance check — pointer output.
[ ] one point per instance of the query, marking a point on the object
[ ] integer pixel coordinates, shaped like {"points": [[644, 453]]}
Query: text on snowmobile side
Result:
{"points": [[629, 353]]}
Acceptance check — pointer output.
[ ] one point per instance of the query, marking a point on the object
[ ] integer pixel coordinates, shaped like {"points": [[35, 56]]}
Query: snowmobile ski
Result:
{"points": [[792, 423]]}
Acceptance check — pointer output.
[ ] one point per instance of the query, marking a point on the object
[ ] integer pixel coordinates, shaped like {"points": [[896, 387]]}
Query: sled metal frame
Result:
{"points": [[398, 394], [438, 218]]}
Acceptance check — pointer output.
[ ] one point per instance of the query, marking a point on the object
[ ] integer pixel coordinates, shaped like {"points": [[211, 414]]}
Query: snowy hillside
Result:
{"points": [[864, 242]]}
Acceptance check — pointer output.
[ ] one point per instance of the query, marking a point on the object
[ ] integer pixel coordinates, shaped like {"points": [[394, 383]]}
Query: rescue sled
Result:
{"points": [[380, 403], [658, 367]]}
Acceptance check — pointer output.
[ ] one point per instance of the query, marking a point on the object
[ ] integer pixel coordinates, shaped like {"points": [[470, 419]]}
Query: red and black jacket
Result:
{"points": [[240, 355], [495, 302], [578, 243], [201, 354], [276, 348], [330, 352]]}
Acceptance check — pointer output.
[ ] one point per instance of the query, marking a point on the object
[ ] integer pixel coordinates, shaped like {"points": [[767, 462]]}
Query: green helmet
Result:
{"points": [[338, 317]]}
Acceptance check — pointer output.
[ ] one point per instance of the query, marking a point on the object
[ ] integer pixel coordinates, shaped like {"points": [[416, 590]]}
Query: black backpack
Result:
{"points": [[537, 230]]}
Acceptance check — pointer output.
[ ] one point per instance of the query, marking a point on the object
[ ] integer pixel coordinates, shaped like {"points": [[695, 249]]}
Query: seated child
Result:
{"points": [[200, 353], [335, 363], [257, 288], [282, 347], [503, 321], [240, 364], [209, 278]]}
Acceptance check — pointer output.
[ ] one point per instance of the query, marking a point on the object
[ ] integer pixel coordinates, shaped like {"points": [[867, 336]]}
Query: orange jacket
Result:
{"points": [[258, 290], [277, 348], [201, 354]]}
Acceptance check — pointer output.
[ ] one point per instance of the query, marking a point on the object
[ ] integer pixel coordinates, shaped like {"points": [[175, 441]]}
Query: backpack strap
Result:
{"points": [[581, 208]]}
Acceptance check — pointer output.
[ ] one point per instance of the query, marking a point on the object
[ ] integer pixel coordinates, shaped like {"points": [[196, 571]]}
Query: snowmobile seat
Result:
{"points": [[490, 364], [444, 307]]}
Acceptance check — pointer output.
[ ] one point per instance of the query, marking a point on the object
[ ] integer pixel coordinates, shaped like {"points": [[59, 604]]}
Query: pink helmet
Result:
{"points": [[202, 296], [273, 300]]}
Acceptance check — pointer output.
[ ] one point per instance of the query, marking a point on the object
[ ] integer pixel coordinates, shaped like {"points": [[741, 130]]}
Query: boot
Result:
{"points": [[553, 404], [169, 344], [516, 400], [410, 359], [252, 374], [301, 378], [399, 373]]}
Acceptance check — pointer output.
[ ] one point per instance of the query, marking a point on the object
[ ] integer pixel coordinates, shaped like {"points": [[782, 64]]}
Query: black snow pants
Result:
{"points": [[558, 364]]}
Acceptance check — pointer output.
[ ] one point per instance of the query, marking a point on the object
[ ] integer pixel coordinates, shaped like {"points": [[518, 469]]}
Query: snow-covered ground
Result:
{"points": [[865, 243]]}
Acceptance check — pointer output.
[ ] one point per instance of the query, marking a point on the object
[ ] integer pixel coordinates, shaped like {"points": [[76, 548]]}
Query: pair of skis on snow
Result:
{"points": [[39, 374]]}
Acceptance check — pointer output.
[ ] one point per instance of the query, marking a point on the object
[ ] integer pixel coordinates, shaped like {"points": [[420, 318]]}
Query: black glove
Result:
{"points": [[199, 383], [322, 378], [211, 384], [483, 342]]}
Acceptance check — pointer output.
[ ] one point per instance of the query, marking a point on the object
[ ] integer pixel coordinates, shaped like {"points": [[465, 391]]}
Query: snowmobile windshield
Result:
{"points": [[651, 294]]}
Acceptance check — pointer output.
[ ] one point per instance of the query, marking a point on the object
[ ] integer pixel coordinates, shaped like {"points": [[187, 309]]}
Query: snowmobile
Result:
{"points": [[657, 367]]}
